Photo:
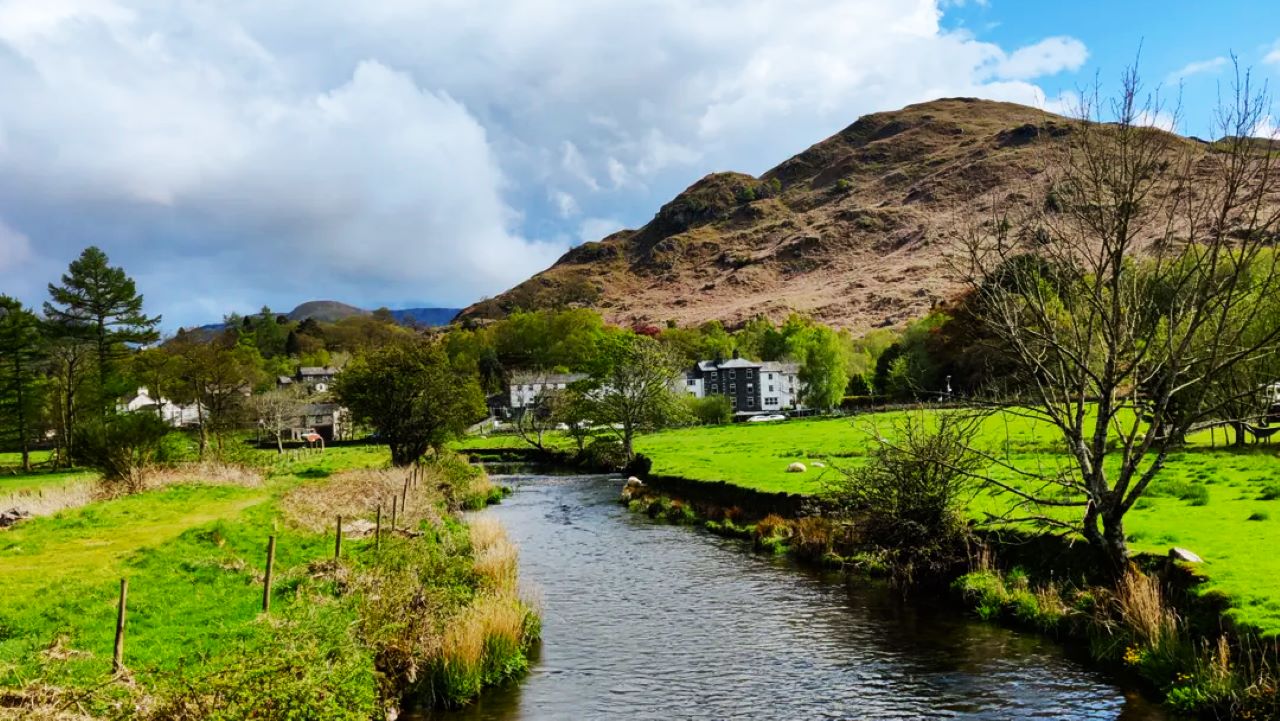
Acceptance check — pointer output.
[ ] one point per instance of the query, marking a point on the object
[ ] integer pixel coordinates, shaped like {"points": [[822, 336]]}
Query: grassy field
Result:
{"points": [[194, 554]]}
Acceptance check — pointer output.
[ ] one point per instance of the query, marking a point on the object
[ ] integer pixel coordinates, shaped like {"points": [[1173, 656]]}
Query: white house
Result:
{"points": [[175, 414], [525, 387]]}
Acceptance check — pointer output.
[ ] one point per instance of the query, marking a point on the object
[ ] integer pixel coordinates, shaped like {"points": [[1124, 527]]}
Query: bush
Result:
{"points": [[604, 454], [714, 409], [910, 498], [1270, 492], [640, 466], [120, 447], [1259, 516]]}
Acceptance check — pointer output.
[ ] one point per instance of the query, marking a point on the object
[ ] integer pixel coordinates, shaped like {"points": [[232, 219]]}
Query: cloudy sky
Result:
{"points": [[235, 153]]}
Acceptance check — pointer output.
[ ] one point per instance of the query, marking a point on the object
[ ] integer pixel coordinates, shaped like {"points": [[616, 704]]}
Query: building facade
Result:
{"points": [[526, 387], [752, 387], [175, 414]]}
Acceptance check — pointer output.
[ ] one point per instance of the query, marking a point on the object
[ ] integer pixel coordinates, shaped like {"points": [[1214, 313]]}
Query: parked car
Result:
{"points": [[766, 418]]}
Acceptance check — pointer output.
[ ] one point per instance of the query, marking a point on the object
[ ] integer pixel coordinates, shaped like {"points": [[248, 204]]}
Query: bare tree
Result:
{"points": [[540, 415], [1141, 281], [278, 411], [632, 391]]}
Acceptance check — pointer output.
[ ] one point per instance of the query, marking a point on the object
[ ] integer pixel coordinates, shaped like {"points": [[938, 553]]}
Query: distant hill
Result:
{"points": [[425, 316], [325, 311], [331, 311]]}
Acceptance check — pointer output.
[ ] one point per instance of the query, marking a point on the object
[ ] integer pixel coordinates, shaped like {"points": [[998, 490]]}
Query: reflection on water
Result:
{"points": [[643, 620]]}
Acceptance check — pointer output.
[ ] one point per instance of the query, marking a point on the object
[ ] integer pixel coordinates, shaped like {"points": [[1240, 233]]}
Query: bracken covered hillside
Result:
{"points": [[853, 231]]}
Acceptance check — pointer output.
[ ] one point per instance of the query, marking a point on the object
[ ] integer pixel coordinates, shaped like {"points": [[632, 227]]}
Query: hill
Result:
{"points": [[325, 311], [852, 231]]}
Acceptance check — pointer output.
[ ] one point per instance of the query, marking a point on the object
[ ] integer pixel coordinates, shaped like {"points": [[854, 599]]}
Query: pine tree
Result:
{"points": [[21, 385], [100, 305]]}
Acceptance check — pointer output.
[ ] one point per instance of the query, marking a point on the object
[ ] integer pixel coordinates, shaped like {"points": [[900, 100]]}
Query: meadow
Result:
{"points": [[194, 551], [1221, 503]]}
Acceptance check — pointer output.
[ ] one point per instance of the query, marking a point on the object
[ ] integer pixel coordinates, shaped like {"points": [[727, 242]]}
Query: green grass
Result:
{"points": [[194, 556], [1203, 500]]}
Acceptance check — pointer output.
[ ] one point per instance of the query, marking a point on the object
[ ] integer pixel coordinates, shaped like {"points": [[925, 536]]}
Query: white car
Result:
{"points": [[766, 418]]}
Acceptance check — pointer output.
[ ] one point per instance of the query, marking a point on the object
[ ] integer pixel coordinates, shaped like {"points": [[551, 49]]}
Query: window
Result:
{"points": [[770, 388], [749, 371], [751, 388], [771, 401], [751, 402], [733, 374], [733, 388], [733, 403], [770, 376], [714, 375], [691, 382], [715, 387]]}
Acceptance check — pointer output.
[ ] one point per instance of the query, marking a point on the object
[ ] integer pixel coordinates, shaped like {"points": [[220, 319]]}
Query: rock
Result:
{"points": [[1182, 554], [819, 464], [12, 516], [796, 468], [633, 489], [358, 528]]}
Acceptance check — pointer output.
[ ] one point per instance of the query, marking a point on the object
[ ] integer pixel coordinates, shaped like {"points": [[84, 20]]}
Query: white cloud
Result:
{"points": [[597, 228], [1273, 56], [1267, 127], [1198, 67], [1047, 57], [235, 151]]}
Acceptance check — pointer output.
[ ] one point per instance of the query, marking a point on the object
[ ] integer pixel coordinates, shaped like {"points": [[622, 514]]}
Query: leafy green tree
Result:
{"points": [[823, 366], [413, 396], [99, 304], [630, 391], [22, 349]]}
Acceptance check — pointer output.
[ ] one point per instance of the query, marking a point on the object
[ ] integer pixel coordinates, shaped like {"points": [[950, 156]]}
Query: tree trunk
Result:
{"points": [[1238, 428], [1115, 548], [279, 443]]}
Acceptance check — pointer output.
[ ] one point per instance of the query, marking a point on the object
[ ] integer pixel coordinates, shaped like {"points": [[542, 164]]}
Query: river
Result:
{"points": [[643, 620]]}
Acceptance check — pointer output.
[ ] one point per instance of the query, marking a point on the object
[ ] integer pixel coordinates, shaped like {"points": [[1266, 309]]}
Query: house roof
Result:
{"points": [[526, 377], [317, 371], [284, 380], [319, 409], [739, 363], [780, 367]]}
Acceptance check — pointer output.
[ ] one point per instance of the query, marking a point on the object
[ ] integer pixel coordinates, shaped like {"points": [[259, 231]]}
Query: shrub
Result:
{"points": [[640, 466], [1259, 516], [911, 497], [1270, 493], [714, 409], [605, 454], [120, 447]]}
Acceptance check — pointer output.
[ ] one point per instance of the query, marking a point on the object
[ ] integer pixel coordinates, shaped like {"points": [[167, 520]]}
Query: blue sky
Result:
{"points": [[431, 152]]}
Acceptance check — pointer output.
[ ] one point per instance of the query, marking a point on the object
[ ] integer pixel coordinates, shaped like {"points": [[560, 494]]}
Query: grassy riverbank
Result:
{"points": [[429, 616]]}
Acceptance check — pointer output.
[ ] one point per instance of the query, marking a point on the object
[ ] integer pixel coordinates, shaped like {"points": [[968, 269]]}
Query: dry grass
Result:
{"points": [[773, 525], [1141, 604], [496, 558], [47, 501], [205, 473], [358, 493]]}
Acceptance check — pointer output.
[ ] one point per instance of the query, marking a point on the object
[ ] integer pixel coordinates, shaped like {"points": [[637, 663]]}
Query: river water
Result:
{"points": [[643, 620]]}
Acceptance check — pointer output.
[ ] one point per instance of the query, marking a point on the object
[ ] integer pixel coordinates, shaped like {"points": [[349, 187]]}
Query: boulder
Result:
{"points": [[819, 464], [12, 516], [633, 489], [1182, 554], [796, 468]]}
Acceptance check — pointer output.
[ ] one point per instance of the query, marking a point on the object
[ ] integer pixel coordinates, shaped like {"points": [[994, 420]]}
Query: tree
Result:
{"points": [[217, 377], [412, 395], [1158, 264], [714, 409], [823, 366], [121, 446], [21, 387], [277, 411], [537, 418], [631, 389], [69, 361], [99, 304]]}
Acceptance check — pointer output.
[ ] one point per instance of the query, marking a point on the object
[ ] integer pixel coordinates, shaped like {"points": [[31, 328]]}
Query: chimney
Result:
{"points": [[735, 354]]}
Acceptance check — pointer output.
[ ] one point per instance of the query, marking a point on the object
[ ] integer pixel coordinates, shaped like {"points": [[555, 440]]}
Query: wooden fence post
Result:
{"points": [[271, 564], [337, 544], [404, 497], [393, 513], [117, 659], [377, 529]]}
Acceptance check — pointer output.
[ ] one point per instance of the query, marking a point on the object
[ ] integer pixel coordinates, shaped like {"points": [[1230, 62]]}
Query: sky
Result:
{"points": [[408, 153]]}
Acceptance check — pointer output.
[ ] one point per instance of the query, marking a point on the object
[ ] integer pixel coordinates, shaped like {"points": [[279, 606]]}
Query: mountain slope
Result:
{"points": [[325, 311], [852, 231]]}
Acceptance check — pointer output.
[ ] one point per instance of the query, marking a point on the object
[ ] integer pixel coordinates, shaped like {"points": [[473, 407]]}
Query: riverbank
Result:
{"points": [[1151, 626], [427, 614]]}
